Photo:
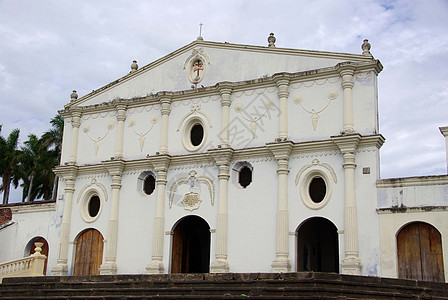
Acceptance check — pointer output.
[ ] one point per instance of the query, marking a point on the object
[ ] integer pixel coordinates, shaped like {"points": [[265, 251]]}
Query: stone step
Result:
{"points": [[220, 286]]}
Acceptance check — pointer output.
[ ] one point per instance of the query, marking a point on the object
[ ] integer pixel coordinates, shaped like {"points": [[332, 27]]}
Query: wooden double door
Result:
{"points": [[420, 254], [89, 253]]}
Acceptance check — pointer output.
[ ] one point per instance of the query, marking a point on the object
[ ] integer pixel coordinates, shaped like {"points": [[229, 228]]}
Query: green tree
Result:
{"points": [[53, 140], [9, 162]]}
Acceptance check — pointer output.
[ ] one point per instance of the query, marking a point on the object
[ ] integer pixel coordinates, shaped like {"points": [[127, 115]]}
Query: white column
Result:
{"points": [[109, 267], [282, 151], [282, 81], [226, 91], [346, 73], [165, 101], [444, 131], [351, 264], [156, 265], [76, 122], [69, 174], [121, 117], [222, 158]]}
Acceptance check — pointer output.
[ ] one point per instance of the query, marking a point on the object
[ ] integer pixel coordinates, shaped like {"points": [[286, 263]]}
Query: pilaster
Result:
{"points": [[281, 152], [156, 266], [165, 102], [115, 169], [282, 81], [348, 144], [346, 71], [76, 122], [225, 89], [222, 158], [68, 173], [121, 117]]}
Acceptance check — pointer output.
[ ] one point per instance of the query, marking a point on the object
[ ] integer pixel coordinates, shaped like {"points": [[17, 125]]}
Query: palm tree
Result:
{"points": [[53, 139], [9, 162]]}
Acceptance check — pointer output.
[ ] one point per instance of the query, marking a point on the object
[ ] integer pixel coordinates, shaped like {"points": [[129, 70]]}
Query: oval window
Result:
{"points": [[245, 176], [149, 184], [196, 134], [94, 206], [317, 189]]}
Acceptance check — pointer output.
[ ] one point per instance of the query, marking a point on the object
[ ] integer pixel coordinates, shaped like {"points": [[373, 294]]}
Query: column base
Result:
{"points": [[281, 265], [219, 266], [59, 270], [351, 266], [155, 267], [108, 268]]}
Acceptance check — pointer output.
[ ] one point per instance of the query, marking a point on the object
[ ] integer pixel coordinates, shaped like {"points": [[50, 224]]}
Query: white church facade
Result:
{"points": [[222, 157]]}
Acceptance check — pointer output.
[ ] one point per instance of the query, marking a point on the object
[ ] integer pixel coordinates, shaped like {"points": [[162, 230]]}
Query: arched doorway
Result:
{"points": [[89, 253], [191, 246], [45, 249], [420, 256], [317, 246]]}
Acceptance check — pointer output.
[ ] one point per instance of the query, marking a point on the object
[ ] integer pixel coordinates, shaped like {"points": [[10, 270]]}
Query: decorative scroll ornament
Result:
{"points": [[142, 135], [93, 183], [86, 129], [253, 121], [332, 95], [195, 109], [316, 163], [196, 65], [192, 200]]}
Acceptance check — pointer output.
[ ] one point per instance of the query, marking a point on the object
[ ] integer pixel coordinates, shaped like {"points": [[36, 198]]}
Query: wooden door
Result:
{"points": [[176, 257], [44, 250], [89, 253], [420, 256]]}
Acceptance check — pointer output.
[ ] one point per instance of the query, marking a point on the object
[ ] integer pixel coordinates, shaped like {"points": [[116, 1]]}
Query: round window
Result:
{"points": [[149, 184], [196, 134], [94, 206], [317, 189]]}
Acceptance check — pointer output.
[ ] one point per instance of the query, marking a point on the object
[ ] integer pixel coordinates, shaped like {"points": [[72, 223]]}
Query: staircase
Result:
{"points": [[220, 286]]}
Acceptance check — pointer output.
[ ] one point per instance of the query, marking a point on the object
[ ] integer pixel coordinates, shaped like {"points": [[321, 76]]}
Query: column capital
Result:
{"points": [[165, 99], [281, 150], [68, 172], [161, 162], [76, 113], [114, 167], [347, 143], [225, 89], [346, 68], [281, 79], [221, 156], [121, 111]]}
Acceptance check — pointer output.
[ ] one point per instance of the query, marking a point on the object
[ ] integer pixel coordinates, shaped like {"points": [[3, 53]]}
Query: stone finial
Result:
{"points": [[271, 40], [134, 66], [74, 95], [366, 48]]}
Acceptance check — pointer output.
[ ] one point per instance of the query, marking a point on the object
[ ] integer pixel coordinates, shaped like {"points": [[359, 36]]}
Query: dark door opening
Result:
{"points": [[317, 246], [191, 246]]}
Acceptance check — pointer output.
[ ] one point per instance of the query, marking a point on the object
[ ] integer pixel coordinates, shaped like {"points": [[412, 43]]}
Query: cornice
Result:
{"points": [[33, 208], [222, 156], [358, 67], [280, 150], [347, 143], [208, 157], [412, 181], [420, 209]]}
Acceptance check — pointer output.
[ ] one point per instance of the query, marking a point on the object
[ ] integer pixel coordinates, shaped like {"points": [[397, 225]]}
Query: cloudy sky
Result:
{"points": [[49, 48]]}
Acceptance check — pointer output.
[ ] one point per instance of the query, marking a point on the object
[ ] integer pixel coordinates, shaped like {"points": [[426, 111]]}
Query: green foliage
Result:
{"points": [[31, 165]]}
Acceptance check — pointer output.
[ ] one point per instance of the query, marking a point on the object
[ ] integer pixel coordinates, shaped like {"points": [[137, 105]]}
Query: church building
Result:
{"points": [[222, 157]]}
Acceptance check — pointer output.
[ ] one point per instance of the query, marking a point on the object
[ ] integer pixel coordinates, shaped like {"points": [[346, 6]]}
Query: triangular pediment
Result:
{"points": [[204, 63]]}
